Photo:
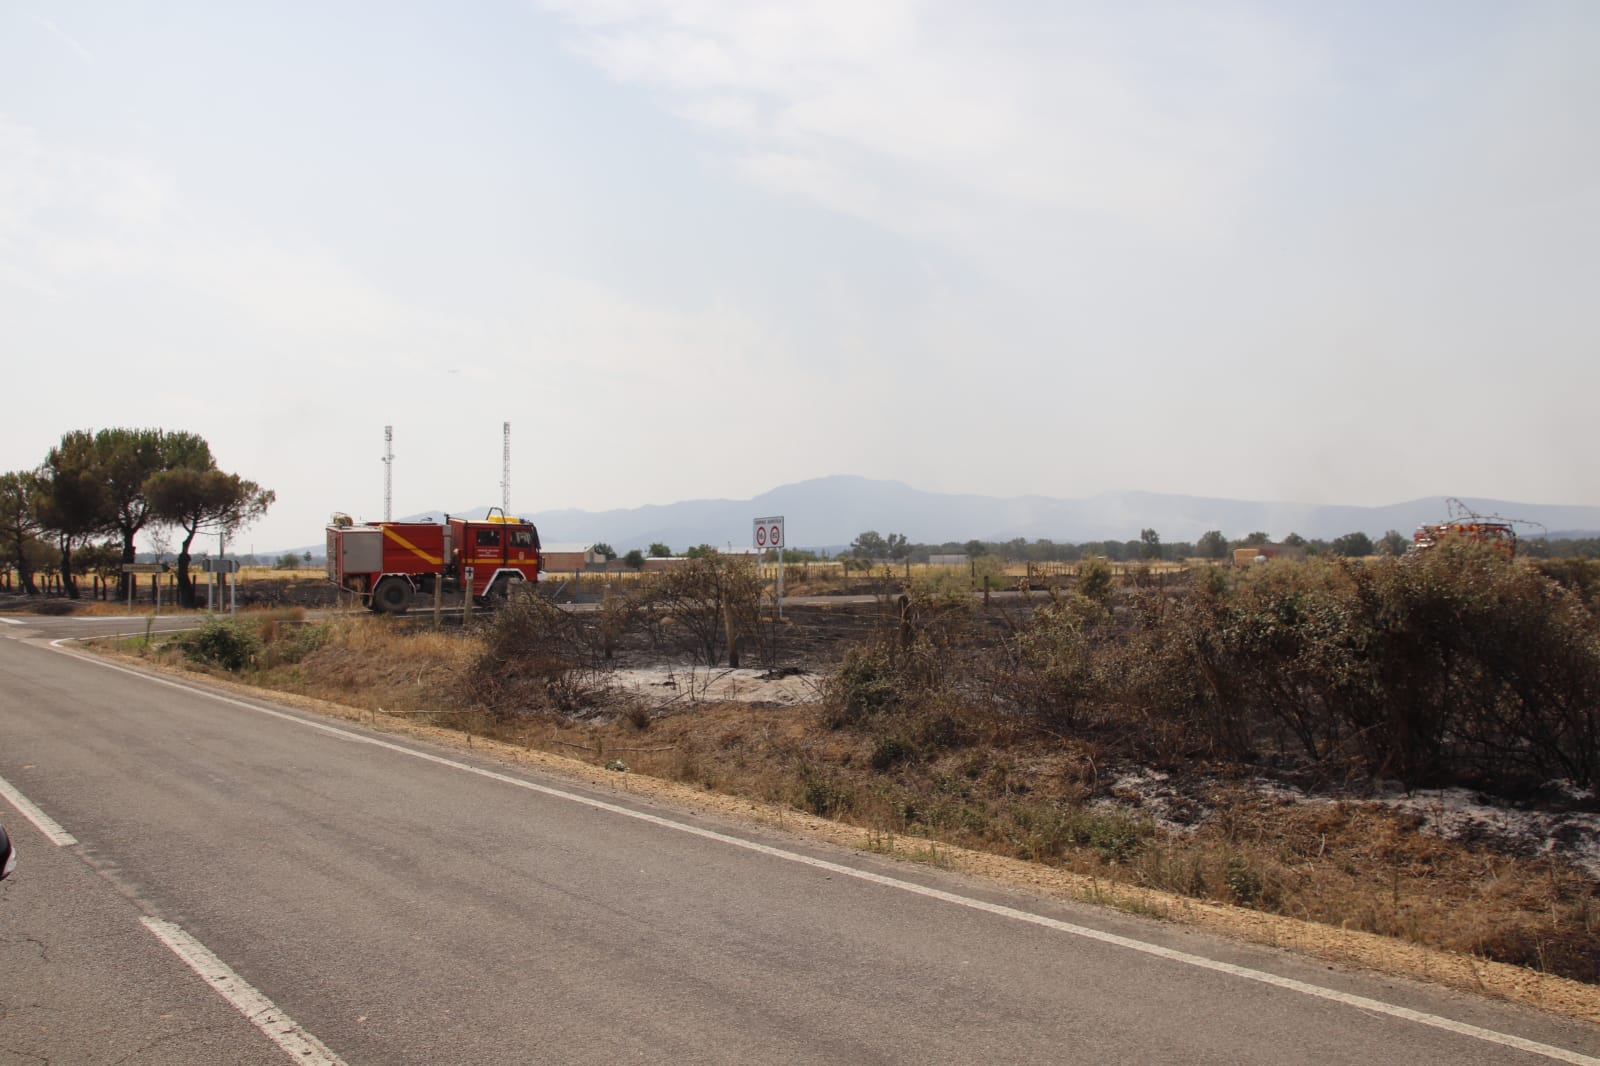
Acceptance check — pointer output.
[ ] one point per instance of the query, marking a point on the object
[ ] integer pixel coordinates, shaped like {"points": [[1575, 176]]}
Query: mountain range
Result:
{"points": [[827, 513]]}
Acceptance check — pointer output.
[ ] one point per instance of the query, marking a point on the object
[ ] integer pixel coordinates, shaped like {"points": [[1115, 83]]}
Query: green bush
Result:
{"points": [[1094, 580], [223, 643], [1050, 674], [864, 686]]}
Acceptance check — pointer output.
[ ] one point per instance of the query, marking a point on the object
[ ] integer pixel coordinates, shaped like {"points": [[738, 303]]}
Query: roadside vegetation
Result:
{"points": [[1277, 696]]}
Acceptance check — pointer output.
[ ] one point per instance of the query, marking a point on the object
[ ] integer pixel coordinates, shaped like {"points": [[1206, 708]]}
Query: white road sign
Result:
{"points": [[767, 533]]}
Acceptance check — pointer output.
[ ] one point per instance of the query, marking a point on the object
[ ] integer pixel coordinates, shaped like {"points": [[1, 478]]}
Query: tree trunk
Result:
{"points": [[69, 584], [20, 560], [185, 583], [128, 557]]}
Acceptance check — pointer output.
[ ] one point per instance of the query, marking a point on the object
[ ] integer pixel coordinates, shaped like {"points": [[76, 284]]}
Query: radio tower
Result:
{"points": [[505, 469], [388, 470]]}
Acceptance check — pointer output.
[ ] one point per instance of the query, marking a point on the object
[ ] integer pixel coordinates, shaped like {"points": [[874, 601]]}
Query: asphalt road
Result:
{"points": [[388, 902]]}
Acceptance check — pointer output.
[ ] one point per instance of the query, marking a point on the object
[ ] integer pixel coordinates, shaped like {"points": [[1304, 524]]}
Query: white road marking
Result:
{"points": [[10, 621], [261, 1012], [1185, 958], [43, 822]]}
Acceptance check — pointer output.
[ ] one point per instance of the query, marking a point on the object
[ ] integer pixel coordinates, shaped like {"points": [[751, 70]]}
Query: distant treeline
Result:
{"points": [[1213, 545]]}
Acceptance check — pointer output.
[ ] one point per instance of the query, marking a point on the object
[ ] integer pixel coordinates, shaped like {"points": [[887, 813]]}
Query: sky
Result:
{"points": [[1330, 253]]}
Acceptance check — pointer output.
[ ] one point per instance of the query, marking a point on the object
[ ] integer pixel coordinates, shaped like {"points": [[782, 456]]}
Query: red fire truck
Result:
{"points": [[1466, 524], [388, 564]]}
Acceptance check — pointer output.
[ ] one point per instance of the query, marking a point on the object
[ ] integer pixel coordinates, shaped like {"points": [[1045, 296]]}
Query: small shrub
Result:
{"points": [[889, 751], [639, 715], [1094, 580], [864, 686], [1050, 673], [1114, 835], [285, 645], [824, 794], [943, 585], [223, 643], [537, 656], [1243, 881]]}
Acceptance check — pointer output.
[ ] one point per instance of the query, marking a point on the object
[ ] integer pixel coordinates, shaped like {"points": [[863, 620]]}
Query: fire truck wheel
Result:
{"points": [[392, 596]]}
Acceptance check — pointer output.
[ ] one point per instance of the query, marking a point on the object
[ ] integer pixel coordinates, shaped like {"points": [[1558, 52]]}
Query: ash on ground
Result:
{"points": [[1568, 830], [684, 685]]}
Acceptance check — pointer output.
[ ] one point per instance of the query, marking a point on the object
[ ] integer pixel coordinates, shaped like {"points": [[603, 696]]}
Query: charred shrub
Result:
{"points": [[1581, 577], [1501, 662], [711, 599], [1457, 666], [538, 657]]}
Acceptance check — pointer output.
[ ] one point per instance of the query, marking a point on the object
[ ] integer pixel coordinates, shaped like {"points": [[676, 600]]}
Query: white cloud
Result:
{"points": [[907, 114], [69, 216], [65, 38]]}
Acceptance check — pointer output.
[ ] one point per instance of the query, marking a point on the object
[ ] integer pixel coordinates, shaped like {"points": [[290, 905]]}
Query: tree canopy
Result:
{"points": [[19, 524], [126, 459], [1352, 545], [1212, 545], [119, 481], [203, 500]]}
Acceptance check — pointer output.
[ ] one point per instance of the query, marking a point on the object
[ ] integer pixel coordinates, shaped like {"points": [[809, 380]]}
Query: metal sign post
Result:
{"points": [[144, 568], [768, 533], [223, 566]]}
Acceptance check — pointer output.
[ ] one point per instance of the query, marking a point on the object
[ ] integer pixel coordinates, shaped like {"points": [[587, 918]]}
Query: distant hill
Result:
{"points": [[832, 511], [829, 512]]}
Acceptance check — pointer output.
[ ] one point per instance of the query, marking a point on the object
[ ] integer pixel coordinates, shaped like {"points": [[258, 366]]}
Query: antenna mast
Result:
{"points": [[388, 470], [505, 469]]}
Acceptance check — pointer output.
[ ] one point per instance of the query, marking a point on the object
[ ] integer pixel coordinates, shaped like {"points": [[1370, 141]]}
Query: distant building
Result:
{"points": [[569, 558], [664, 562], [753, 555]]}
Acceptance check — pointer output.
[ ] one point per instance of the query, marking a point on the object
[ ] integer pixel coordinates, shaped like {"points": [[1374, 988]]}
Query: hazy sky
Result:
{"points": [[1336, 253]]}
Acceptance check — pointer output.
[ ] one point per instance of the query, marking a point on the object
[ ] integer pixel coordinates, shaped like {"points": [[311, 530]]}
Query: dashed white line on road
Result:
{"points": [[261, 1012], [41, 821]]}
